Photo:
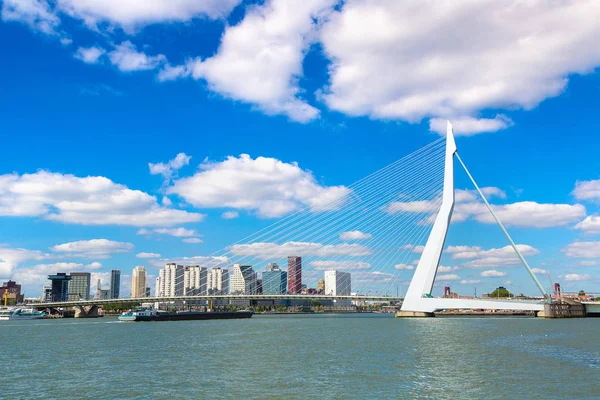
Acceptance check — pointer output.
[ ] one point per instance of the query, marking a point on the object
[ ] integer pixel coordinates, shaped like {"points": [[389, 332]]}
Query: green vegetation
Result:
{"points": [[581, 293], [501, 292], [119, 307]]}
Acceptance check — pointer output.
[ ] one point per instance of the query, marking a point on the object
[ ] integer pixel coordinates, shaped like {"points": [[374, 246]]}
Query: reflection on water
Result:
{"points": [[309, 357]]}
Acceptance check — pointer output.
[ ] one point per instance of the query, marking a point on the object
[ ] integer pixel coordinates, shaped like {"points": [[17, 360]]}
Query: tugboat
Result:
{"points": [[150, 314]]}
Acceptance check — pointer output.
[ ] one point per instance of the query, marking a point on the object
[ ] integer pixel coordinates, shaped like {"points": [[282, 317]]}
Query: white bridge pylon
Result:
{"points": [[418, 301]]}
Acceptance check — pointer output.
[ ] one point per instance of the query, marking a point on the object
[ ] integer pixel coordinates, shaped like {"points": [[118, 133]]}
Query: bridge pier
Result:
{"points": [[413, 314], [87, 311]]}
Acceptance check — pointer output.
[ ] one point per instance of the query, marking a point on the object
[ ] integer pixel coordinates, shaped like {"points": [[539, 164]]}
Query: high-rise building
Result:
{"points": [[47, 293], [115, 284], [218, 282], [338, 283], [294, 274], [79, 286], [274, 280], [157, 287], [172, 280], [321, 286], [138, 282], [243, 280], [195, 280], [60, 286], [99, 290]]}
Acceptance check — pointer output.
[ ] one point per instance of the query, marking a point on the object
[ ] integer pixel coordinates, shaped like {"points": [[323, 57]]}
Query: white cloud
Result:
{"points": [[447, 277], [233, 183], [539, 271], [37, 14], [526, 214], [418, 249], [397, 60], [481, 258], [404, 267], [127, 59], [469, 281], [354, 235], [582, 250], [468, 126], [587, 190], [230, 214], [577, 277], [12, 257], [590, 225], [347, 265], [89, 55], [177, 232], [588, 263], [132, 15], [203, 261], [272, 250], [193, 240], [34, 277], [147, 255], [532, 214], [492, 274], [93, 200], [443, 269], [97, 248], [169, 170], [260, 59]]}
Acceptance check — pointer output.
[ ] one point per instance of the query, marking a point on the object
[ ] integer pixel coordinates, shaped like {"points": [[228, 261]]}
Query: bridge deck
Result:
{"points": [[98, 302]]}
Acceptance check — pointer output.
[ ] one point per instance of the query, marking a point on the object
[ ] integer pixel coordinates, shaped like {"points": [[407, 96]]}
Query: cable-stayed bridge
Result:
{"points": [[373, 233]]}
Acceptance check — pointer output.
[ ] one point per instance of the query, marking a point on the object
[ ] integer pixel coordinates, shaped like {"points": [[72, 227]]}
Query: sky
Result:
{"points": [[138, 133]]}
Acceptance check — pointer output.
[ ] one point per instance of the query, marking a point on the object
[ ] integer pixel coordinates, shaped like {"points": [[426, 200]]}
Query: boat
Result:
{"points": [[150, 314], [20, 313]]}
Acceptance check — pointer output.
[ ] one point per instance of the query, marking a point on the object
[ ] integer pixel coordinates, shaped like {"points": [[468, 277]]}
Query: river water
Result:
{"points": [[302, 357]]}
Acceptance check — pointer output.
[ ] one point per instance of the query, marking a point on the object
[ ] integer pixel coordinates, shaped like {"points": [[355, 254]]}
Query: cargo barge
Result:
{"points": [[150, 314]]}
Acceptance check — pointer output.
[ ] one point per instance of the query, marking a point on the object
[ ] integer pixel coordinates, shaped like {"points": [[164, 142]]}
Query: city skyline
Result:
{"points": [[103, 173]]}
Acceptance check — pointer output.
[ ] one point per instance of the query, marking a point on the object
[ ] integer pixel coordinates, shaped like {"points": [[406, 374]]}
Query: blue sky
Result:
{"points": [[326, 93]]}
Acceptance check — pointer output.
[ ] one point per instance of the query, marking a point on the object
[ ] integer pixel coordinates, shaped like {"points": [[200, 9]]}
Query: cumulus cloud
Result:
{"points": [[89, 55], [12, 257], [447, 277], [539, 271], [147, 255], [354, 235], [273, 251], [97, 248], [127, 58], [577, 277], [230, 214], [169, 169], [404, 267], [590, 225], [284, 187], [443, 269], [260, 59], [37, 14], [587, 190], [346, 265], [418, 249], [468, 206], [468, 126], [132, 15], [481, 258], [177, 232], [582, 250], [469, 281], [93, 200], [493, 274], [203, 261], [396, 60], [193, 240]]}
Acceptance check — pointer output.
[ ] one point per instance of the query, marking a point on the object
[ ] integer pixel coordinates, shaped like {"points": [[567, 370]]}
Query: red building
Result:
{"points": [[294, 274], [14, 293]]}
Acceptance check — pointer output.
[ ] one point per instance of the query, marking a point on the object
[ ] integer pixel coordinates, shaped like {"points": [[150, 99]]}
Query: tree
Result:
{"points": [[501, 292], [581, 293]]}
